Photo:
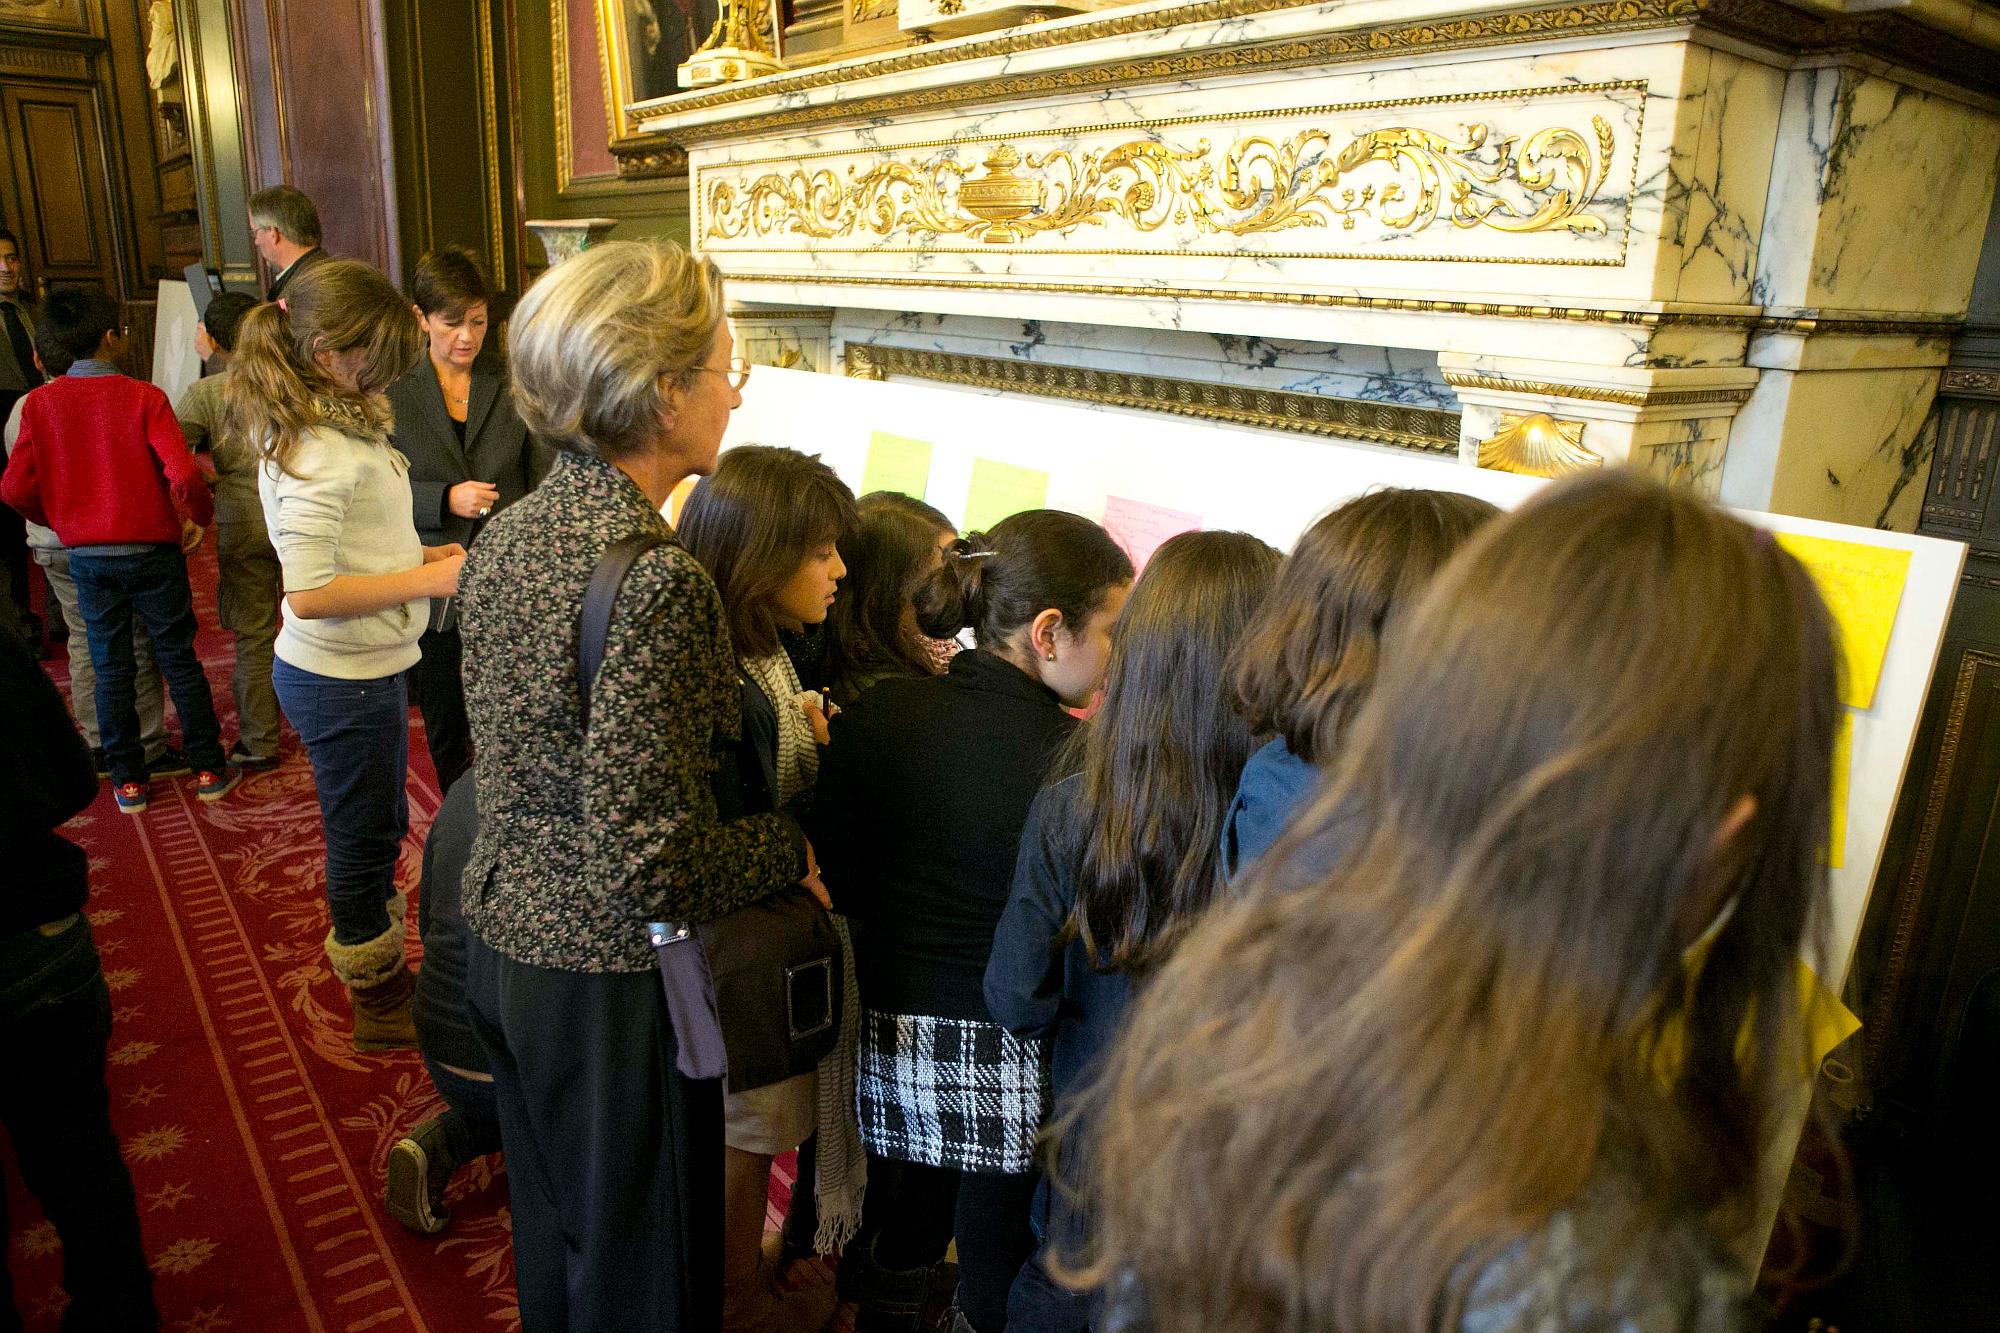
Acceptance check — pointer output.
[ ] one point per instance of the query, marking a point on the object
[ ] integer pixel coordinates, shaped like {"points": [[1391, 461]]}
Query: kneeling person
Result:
{"points": [[422, 1162]]}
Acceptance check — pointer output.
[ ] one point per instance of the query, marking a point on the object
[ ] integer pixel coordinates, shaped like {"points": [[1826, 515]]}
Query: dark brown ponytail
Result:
{"points": [[994, 583]]}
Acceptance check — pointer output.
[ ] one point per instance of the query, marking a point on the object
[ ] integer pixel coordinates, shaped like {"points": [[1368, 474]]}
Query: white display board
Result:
{"points": [[1275, 485], [175, 365]]}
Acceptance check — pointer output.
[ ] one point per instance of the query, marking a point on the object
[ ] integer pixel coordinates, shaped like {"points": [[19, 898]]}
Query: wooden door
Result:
{"points": [[53, 183]]}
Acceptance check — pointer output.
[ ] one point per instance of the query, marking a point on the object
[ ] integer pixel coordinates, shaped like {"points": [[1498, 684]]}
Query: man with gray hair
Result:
{"points": [[284, 226]]}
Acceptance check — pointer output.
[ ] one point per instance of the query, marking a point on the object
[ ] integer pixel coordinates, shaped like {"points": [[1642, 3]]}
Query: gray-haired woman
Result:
{"points": [[621, 359]]}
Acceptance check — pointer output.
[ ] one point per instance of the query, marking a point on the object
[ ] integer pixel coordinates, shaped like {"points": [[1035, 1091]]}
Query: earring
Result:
{"points": [[1052, 657]]}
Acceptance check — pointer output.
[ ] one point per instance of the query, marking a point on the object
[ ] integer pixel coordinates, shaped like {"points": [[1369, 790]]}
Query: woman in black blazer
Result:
{"points": [[470, 457]]}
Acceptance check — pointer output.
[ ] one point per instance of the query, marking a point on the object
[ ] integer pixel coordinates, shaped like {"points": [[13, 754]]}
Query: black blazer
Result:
{"points": [[283, 278], [917, 818], [497, 449]]}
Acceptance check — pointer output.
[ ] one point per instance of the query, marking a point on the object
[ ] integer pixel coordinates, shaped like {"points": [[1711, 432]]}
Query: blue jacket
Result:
{"points": [[1275, 783]]}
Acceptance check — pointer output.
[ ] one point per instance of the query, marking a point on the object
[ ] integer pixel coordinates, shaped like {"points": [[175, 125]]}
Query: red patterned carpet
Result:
{"points": [[255, 1135]]}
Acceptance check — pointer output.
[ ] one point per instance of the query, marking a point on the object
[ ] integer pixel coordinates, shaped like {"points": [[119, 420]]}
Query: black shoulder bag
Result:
{"points": [[754, 996]]}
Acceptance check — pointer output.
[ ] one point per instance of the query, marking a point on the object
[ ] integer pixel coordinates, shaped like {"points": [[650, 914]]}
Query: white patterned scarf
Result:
{"points": [[842, 1165]]}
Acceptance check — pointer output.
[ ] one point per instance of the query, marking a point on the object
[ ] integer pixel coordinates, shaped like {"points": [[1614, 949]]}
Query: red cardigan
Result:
{"points": [[101, 460]]}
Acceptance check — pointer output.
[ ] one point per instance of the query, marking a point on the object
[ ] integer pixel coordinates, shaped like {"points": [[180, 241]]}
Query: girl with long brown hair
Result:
{"points": [[768, 525], [1308, 660], [1119, 858], [1512, 1064], [308, 385]]}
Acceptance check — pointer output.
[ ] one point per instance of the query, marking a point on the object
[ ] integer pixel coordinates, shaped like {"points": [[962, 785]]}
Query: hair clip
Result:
{"points": [[282, 306], [975, 555]]}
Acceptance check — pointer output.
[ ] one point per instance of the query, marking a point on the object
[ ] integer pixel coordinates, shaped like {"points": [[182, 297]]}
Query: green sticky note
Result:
{"points": [[1000, 489], [896, 463]]}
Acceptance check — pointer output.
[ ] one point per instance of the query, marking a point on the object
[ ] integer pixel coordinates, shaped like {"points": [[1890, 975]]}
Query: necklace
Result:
{"points": [[460, 399]]}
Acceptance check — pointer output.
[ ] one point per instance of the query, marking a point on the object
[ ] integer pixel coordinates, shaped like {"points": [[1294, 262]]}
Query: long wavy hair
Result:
{"points": [[1307, 662], [871, 630], [1160, 760], [1478, 1047], [277, 389]]}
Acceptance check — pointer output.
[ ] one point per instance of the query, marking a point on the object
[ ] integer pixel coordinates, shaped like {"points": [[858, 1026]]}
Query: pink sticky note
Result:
{"points": [[1139, 528]]}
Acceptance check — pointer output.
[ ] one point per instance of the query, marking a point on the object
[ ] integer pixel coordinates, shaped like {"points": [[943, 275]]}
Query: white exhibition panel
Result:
{"points": [[1275, 485]]}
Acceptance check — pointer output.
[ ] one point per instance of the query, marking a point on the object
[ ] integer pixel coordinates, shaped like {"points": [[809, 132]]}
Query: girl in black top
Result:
{"points": [[921, 801], [1120, 857]]}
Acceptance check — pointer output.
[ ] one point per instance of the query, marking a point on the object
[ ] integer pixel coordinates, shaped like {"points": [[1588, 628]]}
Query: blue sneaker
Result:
{"points": [[131, 797], [210, 786]]}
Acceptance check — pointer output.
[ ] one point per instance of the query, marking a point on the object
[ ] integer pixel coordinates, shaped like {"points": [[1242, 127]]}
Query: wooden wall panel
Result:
{"points": [[52, 130], [453, 148], [57, 15], [57, 167], [314, 76]]}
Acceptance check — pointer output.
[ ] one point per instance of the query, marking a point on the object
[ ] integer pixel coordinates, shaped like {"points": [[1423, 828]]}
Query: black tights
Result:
{"points": [[987, 1213]]}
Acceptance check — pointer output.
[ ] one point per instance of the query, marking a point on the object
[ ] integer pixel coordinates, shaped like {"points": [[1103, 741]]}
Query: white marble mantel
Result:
{"points": [[1726, 243]]}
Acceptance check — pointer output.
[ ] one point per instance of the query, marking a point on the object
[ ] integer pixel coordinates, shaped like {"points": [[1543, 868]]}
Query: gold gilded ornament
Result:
{"points": [[1536, 444], [1545, 182]]}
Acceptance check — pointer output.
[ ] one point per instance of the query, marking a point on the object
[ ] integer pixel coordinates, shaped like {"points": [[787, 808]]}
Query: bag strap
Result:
{"points": [[598, 600]]}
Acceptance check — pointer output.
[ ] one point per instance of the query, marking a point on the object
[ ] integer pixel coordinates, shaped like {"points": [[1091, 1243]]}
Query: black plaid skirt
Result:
{"points": [[952, 1093]]}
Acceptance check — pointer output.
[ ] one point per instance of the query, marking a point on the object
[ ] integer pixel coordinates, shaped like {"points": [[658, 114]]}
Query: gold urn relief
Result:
{"points": [[999, 198]]}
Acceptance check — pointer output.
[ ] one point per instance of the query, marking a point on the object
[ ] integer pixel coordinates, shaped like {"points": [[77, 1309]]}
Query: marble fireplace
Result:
{"points": [[1724, 241]]}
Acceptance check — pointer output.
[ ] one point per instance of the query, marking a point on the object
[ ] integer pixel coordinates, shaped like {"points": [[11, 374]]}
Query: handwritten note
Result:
{"points": [[1140, 528], [1862, 586], [1843, 767], [1000, 489], [897, 463]]}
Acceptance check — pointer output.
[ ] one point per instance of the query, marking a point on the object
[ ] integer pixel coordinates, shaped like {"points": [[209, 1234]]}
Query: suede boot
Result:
{"points": [[379, 984]]}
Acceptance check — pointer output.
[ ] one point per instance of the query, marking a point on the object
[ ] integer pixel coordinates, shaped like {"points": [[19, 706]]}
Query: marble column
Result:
{"points": [[1879, 192]]}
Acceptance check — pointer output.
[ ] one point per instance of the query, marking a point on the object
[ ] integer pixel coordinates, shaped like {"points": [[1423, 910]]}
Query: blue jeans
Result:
{"points": [[55, 1020], [357, 735], [153, 586]]}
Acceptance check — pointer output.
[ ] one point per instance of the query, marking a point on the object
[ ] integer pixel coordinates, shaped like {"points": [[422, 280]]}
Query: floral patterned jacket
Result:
{"points": [[584, 837]]}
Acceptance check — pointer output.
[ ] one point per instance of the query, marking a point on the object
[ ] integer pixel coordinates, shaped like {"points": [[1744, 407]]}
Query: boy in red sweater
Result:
{"points": [[101, 460]]}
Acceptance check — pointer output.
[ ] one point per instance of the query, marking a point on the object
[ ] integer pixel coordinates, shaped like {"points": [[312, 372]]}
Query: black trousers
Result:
{"points": [[439, 685], [613, 1159], [55, 1020], [986, 1212]]}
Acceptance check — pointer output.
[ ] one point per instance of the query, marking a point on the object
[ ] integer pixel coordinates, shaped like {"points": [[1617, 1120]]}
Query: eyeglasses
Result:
{"points": [[738, 372]]}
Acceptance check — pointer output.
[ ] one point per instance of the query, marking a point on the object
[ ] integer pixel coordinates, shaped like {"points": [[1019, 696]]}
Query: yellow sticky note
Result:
{"points": [[1000, 489], [1828, 1021], [896, 463], [1862, 586], [1843, 766]]}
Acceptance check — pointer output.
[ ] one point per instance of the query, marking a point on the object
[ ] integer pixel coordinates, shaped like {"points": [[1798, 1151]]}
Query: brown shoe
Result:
{"points": [[382, 1013]]}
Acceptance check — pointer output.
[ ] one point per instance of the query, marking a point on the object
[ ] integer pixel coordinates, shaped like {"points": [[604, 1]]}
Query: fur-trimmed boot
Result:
{"points": [[379, 982]]}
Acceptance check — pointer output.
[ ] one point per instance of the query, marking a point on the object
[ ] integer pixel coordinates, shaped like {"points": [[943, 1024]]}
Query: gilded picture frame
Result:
{"points": [[585, 115], [644, 43]]}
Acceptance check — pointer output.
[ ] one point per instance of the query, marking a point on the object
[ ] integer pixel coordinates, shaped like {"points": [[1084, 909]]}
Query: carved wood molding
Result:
{"points": [[1879, 1022], [44, 62]]}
